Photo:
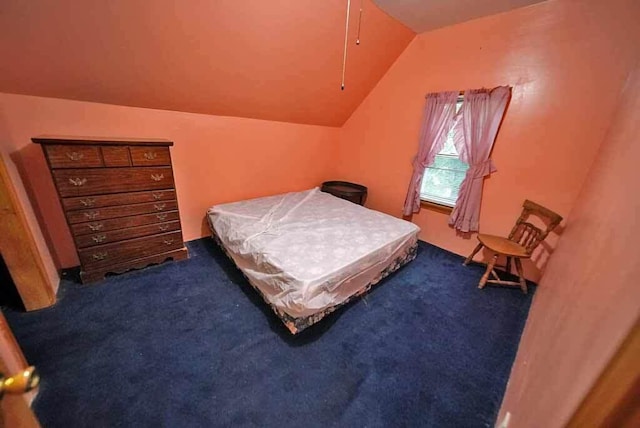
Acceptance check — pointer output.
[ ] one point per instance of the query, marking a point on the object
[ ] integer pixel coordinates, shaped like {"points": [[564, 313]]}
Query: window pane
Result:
{"points": [[449, 162], [442, 180]]}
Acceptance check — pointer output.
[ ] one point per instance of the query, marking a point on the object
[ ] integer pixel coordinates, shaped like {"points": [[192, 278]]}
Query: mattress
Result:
{"points": [[310, 252]]}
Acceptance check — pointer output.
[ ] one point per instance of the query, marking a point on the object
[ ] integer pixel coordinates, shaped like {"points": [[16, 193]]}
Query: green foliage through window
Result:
{"points": [[442, 180]]}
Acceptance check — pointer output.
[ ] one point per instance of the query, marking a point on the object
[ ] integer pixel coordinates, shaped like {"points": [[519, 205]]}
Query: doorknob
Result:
{"points": [[19, 383]]}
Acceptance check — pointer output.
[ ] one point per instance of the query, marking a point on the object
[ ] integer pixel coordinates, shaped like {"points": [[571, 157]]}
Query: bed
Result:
{"points": [[308, 253]]}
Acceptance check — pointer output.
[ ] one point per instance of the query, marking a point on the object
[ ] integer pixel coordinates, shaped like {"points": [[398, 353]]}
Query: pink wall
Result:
{"points": [[588, 299], [565, 60], [216, 159]]}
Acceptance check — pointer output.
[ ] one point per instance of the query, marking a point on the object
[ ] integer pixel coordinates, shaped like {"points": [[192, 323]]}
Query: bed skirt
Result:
{"points": [[296, 325]]}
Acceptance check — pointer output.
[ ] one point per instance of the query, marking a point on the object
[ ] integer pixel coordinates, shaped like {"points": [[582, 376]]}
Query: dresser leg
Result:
{"points": [[87, 277], [93, 276]]}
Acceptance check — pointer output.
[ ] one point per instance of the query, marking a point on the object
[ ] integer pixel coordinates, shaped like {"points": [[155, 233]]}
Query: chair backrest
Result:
{"points": [[528, 235]]}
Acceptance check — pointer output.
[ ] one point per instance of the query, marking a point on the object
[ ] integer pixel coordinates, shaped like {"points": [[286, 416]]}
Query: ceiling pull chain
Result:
{"points": [[359, 23], [346, 35]]}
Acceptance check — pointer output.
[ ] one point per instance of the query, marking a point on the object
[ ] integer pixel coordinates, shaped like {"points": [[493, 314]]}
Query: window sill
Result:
{"points": [[436, 207]]}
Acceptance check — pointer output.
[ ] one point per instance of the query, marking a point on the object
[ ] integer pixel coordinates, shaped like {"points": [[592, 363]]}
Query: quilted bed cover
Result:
{"points": [[309, 251]]}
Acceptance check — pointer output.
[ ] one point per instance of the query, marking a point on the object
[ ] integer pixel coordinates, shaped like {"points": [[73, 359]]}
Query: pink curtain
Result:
{"points": [[437, 121], [482, 112]]}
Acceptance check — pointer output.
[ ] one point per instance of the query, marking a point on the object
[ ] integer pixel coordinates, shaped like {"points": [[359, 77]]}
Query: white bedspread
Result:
{"points": [[310, 250]]}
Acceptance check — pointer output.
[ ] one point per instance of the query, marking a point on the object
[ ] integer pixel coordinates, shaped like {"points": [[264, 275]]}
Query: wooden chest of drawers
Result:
{"points": [[119, 199]]}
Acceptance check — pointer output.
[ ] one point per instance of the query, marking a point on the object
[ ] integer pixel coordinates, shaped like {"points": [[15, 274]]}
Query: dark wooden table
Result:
{"points": [[353, 192]]}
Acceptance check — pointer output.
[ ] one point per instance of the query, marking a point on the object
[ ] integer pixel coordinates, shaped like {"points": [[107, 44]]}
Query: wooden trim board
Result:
{"points": [[614, 400], [19, 250]]}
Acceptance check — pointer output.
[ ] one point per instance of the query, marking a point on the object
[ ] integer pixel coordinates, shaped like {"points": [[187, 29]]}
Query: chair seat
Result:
{"points": [[502, 245], [524, 233]]}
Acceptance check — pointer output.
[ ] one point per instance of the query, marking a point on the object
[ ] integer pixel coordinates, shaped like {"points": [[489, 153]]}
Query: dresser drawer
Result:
{"points": [[80, 182], [122, 223], [99, 238], [84, 202], [116, 156], [95, 214], [73, 156], [150, 156], [102, 256]]}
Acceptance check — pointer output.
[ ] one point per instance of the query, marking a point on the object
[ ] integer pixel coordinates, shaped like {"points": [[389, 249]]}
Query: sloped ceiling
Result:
{"points": [[276, 60], [425, 15]]}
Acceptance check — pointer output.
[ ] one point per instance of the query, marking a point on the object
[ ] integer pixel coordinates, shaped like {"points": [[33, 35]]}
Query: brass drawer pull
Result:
{"points": [[163, 227], [100, 256], [99, 238], [95, 226], [168, 241], [157, 177], [161, 216], [159, 207], [150, 155], [88, 202], [91, 215], [75, 156], [78, 181], [156, 196]]}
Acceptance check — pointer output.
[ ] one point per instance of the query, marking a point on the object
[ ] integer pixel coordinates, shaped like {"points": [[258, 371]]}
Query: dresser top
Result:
{"points": [[107, 141]]}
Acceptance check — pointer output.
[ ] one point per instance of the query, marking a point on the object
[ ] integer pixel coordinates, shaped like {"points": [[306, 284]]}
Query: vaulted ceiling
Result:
{"points": [[277, 60], [266, 59]]}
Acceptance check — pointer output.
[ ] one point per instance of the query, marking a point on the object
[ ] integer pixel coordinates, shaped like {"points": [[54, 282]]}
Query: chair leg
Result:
{"points": [[507, 268], [523, 282], [490, 266], [473, 253]]}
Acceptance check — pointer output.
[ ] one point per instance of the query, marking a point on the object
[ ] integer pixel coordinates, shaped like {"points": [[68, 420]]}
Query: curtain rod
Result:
{"points": [[461, 93]]}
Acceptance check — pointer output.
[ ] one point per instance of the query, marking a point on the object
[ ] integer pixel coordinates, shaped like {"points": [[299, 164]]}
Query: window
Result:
{"points": [[441, 181]]}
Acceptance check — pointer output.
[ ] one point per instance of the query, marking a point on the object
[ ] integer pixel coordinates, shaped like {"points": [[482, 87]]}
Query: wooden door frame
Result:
{"points": [[614, 400], [14, 409], [19, 249]]}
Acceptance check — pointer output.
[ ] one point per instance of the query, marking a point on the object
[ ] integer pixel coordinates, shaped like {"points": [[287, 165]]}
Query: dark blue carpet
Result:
{"points": [[191, 344]]}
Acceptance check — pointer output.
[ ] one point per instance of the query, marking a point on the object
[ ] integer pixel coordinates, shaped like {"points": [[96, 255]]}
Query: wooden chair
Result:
{"points": [[523, 239]]}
